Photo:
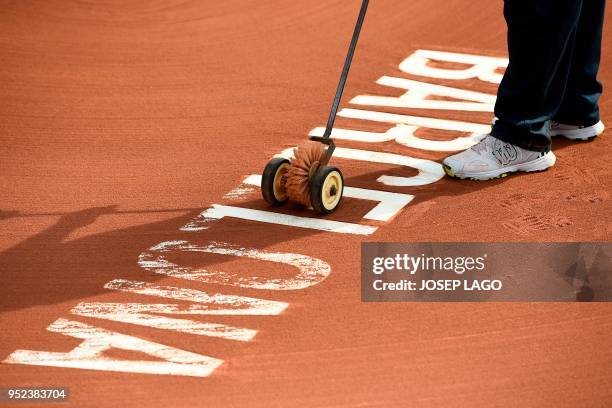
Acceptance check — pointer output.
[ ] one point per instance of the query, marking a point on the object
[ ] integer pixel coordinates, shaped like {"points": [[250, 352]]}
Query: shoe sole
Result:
{"points": [[584, 134], [540, 164]]}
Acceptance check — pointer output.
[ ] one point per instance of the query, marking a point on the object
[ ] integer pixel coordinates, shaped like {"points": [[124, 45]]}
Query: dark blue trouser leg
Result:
{"points": [[579, 105], [544, 37]]}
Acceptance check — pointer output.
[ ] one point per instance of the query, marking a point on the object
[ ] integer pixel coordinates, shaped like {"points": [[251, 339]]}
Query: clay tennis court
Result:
{"points": [[131, 137]]}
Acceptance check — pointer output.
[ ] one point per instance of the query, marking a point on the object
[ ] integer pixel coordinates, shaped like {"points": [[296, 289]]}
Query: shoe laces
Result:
{"points": [[484, 146]]}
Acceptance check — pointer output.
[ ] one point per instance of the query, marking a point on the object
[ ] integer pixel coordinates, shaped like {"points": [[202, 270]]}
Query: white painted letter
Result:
{"points": [[88, 355], [404, 131], [140, 314], [217, 212], [481, 67], [389, 203], [310, 270], [417, 93], [215, 304]]}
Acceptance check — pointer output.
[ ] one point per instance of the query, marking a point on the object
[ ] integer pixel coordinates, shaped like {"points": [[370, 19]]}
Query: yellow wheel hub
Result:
{"points": [[332, 190], [279, 190]]}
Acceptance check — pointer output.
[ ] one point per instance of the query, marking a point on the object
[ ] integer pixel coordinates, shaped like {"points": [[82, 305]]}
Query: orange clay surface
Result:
{"points": [[121, 121]]}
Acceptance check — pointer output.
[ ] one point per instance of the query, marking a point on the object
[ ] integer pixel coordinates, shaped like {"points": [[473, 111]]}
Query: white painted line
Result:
{"points": [[425, 88], [405, 135], [311, 271], [481, 67], [238, 193], [355, 135], [390, 204], [140, 314], [442, 124], [217, 212], [89, 354], [214, 304], [418, 92], [429, 171]]}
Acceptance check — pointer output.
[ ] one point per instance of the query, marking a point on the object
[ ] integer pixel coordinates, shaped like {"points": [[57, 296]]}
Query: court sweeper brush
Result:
{"points": [[306, 178]]}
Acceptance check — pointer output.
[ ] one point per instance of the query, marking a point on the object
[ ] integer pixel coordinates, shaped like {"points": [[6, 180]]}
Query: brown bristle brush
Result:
{"points": [[307, 178], [305, 162]]}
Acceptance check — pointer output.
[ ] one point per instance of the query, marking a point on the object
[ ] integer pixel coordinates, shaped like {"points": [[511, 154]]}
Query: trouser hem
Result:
{"points": [[522, 137]]}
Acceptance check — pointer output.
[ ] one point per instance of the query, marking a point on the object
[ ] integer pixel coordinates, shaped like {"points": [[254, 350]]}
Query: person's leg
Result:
{"points": [[579, 105], [541, 36]]}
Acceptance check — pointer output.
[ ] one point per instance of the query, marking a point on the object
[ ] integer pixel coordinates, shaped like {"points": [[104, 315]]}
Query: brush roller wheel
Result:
{"points": [[272, 184], [326, 188]]}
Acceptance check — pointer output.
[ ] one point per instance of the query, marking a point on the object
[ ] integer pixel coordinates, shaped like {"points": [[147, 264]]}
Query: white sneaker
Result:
{"points": [[492, 158], [573, 132]]}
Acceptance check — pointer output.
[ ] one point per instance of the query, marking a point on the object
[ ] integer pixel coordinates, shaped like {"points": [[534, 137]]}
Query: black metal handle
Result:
{"points": [[345, 70]]}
